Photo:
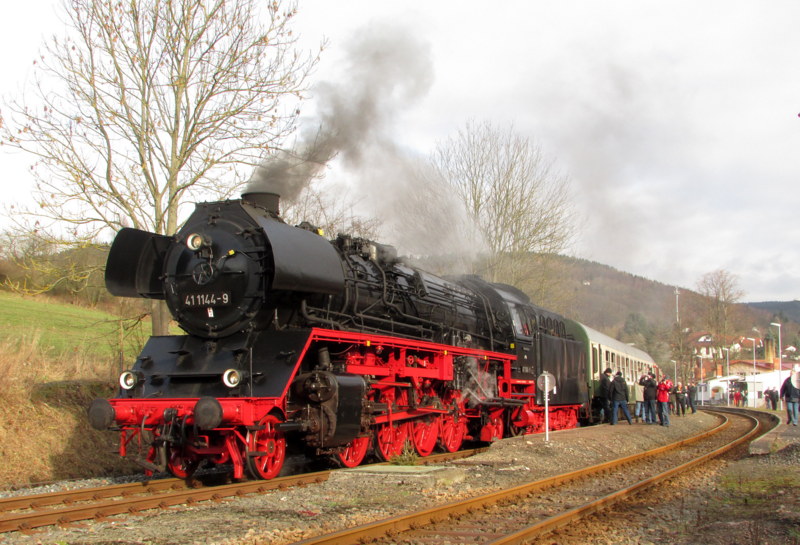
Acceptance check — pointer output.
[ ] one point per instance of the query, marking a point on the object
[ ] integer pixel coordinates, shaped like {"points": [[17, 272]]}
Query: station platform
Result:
{"points": [[780, 437]]}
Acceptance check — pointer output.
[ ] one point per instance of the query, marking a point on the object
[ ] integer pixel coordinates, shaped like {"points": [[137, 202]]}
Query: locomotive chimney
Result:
{"points": [[263, 189], [263, 199]]}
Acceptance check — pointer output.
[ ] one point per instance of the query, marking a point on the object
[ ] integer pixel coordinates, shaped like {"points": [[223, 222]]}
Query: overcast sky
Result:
{"points": [[677, 122]]}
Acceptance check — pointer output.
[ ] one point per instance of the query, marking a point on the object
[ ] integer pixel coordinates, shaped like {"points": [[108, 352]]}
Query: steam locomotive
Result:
{"points": [[334, 348]]}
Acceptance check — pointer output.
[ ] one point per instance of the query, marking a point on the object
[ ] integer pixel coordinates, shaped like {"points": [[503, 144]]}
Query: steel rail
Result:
{"points": [[104, 509], [38, 501], [418, 520], [558, 521], [160, 493]]}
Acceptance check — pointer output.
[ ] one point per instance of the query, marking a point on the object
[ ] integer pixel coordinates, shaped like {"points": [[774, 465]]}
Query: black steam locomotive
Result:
{"points": [[334, 348]]}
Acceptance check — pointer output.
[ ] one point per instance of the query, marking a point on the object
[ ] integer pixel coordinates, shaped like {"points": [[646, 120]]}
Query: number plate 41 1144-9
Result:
{"points": [[207, 299]]}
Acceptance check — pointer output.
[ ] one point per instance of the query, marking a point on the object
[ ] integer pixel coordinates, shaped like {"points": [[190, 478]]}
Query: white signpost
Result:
{"points": [[546, 383]]}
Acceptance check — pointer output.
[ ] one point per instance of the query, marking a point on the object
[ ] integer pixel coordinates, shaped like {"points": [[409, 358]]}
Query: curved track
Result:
{"points": [[523, 513]]}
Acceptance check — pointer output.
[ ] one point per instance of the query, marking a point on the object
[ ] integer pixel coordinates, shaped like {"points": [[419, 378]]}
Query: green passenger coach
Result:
{"points": [[602, 352]]}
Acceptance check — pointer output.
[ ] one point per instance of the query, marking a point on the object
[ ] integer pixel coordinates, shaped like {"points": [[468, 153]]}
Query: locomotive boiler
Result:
{"points": [[335, 348]]}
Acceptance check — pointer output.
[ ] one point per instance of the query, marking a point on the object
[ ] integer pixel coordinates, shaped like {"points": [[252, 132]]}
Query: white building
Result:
{"points": [[716, 390]]}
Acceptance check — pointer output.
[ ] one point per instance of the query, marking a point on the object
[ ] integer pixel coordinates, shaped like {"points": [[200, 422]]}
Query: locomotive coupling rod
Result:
{"points": [[504, 402]]}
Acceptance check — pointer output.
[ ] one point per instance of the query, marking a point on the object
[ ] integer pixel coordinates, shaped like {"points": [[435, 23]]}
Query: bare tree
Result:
{"points": [[42, 265], [519, 202], [721, 292], [149, 104]]}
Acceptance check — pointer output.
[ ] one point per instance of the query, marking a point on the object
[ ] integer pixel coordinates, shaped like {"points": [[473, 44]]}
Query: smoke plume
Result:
{"points": [[385, 72]]}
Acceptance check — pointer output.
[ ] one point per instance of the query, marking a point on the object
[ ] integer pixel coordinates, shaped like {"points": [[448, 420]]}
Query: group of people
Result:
{"points": [[771, 397], [661, 398], [654, 399], [739, 398]]}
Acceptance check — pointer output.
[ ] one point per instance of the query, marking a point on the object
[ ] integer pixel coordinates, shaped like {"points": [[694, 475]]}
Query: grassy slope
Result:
{"points": [[60, 328], [54, 359]]}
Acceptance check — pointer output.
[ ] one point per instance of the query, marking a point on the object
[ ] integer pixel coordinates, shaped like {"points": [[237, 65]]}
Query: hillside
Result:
{"points": [[789, 309], [604, 298], [54, 359]]}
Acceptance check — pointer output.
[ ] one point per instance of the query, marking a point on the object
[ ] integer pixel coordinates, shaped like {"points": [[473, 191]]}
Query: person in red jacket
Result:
{"points": [[662, 396]]}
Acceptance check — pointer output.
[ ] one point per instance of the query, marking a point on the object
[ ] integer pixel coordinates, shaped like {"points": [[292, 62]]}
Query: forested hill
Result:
{"points": [[604, 298], [789, 309]]}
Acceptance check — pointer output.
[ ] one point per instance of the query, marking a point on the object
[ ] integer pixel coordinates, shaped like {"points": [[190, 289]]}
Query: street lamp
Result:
{"points": [[728, 375], [674, 370], [780, 357], [754, 370]]}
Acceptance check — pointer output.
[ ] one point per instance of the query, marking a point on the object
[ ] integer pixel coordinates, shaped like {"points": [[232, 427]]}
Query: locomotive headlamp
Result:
{"points": [[196, 242], [128, 379], [231, 378]]}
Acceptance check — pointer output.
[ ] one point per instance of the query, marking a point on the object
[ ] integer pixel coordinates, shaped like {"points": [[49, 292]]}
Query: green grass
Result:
{"points": [[59, 329]]}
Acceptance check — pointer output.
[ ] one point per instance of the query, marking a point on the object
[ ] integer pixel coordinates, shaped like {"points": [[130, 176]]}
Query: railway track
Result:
{"points": [[23, 513], [521, 514]]}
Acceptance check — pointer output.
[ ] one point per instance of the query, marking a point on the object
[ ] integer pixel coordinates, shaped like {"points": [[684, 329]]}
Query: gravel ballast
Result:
{"points": [[353, 497]]}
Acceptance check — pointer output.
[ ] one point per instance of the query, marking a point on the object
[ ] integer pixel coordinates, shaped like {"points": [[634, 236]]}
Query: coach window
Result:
{"points": [[595, 361]]}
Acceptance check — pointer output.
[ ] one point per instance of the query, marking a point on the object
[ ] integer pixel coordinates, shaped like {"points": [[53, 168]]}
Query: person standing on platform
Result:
{"points": [[680, 400], [638, 396], [775, 396], [790, 392], [650, 386], [604, 394], [619, 398], [662, 396], [691, 396]]}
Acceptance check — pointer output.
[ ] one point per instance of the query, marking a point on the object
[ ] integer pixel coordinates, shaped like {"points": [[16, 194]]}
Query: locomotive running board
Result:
{"points": [[413, 358]]}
